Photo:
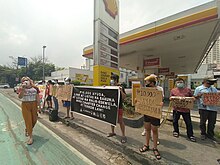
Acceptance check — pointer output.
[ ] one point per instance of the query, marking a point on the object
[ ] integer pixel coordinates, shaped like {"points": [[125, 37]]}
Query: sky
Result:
{"points": [[65, 27]]}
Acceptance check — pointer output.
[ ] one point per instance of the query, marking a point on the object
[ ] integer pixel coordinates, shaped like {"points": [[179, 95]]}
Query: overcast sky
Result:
{"points": [[66, 26]]}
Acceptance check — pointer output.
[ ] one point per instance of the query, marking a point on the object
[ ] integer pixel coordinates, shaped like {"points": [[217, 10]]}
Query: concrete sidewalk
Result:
{"points": [[173, 150]]}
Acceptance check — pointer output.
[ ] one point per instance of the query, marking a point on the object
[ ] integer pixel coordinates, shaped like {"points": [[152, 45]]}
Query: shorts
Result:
{"points": [[120, 113], [152, 120], [48, 98], [66, 103]]}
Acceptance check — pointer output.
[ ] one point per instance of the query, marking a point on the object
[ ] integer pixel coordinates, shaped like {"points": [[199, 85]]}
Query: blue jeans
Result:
{"points": [[187, 119], [56, 105]]}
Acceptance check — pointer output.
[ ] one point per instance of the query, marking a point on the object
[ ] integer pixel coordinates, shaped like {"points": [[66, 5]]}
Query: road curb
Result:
{"points": [[126, 150]]}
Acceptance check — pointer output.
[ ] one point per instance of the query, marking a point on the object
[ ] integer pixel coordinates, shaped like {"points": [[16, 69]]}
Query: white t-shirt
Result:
{"points": [[30, 94]]}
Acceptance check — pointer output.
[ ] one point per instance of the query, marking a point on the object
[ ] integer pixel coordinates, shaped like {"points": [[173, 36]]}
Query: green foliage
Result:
{"points": [[128, 105], [75, 82], [124, 85], [34, 70], [217, 134]]}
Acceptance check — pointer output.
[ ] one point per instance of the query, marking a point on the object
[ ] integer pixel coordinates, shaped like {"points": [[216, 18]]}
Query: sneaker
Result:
{"points": [[158, 142], [192, 138], [143, 133], [203, 137], [211, 137]]}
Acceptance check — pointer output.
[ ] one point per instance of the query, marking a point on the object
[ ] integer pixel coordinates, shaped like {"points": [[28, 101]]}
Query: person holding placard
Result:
{"points": [[67, 103], [151, 123], [115, 82], [161, 89], [207, 112], [181, 91]]}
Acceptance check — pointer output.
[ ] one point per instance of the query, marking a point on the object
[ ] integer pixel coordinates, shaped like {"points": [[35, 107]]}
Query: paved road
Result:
{"points": [[48, 148]]}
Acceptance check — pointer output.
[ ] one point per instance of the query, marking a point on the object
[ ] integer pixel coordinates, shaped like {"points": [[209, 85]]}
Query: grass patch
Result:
{"points": [[217, 134]]}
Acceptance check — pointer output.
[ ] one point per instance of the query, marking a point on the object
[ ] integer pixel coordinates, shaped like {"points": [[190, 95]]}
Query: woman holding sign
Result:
{"points": [[151, 123], [178, 95]]}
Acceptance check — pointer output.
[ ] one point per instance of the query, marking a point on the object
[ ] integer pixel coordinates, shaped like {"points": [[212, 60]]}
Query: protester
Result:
{"points": [[182, 91], [30, 103], [161, 89], [151, 123], [55, 100], [115, 82], [48, 95], [67, 103], [206, 112]]}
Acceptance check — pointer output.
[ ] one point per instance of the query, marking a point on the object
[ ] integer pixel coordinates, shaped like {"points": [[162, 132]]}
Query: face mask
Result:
{"points": [[210, 83], [112, 82], [180, 85], [26, 83], [67, 83], [147, 85]]}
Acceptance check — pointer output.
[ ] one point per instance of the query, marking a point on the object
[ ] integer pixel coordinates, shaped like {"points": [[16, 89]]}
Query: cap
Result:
{"points": [[210, 79], [151, 78], [67, 79]]}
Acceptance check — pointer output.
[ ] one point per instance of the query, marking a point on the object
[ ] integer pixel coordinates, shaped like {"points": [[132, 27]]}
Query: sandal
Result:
{"points": [[111, 134], [30, 142], [192, 139], [175, 134], [123, 139], [26, 133], [156, 153], [72, 118], [144, 148]]}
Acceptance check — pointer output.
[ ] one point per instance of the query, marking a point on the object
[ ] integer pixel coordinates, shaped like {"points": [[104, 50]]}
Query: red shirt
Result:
{"points": [[184, 92]]}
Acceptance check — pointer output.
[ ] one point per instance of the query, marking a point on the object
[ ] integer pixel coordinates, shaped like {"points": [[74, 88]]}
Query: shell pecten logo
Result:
{"points": [[111, 7]]}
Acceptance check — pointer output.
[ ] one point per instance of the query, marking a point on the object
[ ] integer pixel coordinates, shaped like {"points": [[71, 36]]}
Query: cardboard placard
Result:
{"points": [[42, 89], [149, 102], [211, 99], [135, 85], [64, 92], [54, 90], [182, 102]]}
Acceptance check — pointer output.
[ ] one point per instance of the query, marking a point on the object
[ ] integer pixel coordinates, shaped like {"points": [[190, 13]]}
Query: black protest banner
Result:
{"points": [[99, 103]]}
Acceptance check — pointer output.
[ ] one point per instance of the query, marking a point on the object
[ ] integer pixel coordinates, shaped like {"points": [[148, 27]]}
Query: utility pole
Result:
{"points": [[44, 47]]}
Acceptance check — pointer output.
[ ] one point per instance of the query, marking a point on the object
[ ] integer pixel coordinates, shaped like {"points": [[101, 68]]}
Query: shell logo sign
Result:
{"points": [[111, 7]]}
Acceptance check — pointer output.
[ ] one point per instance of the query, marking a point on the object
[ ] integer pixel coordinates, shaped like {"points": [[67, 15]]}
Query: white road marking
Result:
{"points": [[71, 148]]}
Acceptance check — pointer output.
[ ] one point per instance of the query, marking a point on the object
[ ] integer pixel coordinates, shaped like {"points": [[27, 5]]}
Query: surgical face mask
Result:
{"points": [[67, 83], [210, 83], [26, 83], [112, 82], [180, 85]]}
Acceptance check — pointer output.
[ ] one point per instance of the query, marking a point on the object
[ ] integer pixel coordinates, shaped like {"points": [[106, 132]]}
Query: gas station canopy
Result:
{"points": [[180, 41]]}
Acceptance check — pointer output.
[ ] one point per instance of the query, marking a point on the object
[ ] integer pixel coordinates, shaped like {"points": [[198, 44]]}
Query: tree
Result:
{"points": [[34, 70]]}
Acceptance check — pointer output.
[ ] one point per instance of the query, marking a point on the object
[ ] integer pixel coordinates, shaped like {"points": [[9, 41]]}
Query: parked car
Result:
{"points": [[4, 85], [16, 88]]}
